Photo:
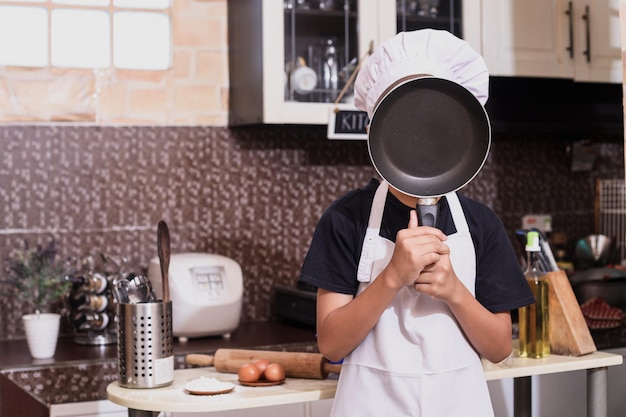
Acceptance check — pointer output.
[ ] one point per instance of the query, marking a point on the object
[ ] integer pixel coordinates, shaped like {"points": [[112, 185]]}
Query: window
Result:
{"points": [[127, 34]]}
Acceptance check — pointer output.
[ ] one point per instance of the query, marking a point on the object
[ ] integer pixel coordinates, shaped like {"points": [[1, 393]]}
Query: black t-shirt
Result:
{"points": [[333, 257]]}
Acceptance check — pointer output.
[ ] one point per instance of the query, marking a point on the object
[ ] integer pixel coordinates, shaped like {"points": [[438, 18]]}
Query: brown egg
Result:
{"points": [[262, 365], [274, 372], [249, 373]]}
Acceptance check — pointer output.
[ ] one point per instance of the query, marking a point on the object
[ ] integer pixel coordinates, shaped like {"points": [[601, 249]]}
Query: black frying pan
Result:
{"points": [[428, 137]]}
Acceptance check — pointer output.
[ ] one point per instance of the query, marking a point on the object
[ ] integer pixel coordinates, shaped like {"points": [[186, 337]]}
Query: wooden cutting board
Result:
{"points": [[569, 333]]}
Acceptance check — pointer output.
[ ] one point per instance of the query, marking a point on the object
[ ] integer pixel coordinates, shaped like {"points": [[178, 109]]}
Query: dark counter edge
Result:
{"points": [[15, 357], [14, 353]]}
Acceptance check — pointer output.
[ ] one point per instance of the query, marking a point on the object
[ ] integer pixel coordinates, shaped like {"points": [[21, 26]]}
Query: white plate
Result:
{"points": [[208, 386]]}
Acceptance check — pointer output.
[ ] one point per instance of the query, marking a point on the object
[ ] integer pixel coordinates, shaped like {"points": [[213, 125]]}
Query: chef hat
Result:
{"points": [[436, 53]]}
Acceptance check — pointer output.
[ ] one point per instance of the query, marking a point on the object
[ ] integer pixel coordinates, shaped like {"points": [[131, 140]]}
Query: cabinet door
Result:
{"points": [[290, 59], [577, 39], [527, 38], [102, 408], [313, 409], [598, 41], [433, 14]]}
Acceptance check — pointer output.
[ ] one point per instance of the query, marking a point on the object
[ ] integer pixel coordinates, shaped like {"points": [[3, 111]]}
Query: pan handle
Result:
{"points": [[427, 211]]}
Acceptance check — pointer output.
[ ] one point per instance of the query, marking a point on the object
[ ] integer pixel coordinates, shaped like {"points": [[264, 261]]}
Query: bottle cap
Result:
{"points": [[532, 242]]}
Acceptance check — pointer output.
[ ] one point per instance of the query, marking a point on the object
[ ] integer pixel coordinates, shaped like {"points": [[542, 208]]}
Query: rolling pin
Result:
{"points": [[296, 364]]}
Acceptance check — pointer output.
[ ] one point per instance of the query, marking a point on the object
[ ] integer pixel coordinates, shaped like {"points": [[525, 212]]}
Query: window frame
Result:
{"points": [[111, 9]]}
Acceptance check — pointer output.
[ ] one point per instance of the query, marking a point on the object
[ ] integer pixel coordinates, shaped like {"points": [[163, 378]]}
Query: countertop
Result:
{"points": [[174, 397], [81, 373], [14, 353]]}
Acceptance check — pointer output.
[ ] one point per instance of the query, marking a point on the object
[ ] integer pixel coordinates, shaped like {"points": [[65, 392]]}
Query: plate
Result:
{"points": [[208, 386], [261, 383], [224, 391]]}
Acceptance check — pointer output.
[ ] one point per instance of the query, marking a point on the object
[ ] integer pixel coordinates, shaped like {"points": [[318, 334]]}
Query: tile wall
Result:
{"points": [[253, 194]]}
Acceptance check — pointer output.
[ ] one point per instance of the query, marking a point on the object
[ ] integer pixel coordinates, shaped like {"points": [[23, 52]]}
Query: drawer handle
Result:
{"points": [[570, 17], [587, 20]]}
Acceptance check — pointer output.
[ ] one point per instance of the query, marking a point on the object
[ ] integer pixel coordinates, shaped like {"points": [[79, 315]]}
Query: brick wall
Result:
{"points": [[193, 92]]}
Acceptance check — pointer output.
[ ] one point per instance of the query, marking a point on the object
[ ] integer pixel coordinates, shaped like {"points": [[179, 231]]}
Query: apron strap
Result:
{"points": [[368, 252], [458, 217]]}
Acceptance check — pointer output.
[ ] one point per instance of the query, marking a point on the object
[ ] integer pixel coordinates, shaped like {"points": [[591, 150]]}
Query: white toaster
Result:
{"points": [[206, 291]]}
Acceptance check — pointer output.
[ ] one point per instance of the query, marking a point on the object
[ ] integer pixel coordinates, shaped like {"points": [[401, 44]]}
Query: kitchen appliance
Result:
{"points": [[296, 304], [611, 213], [554, 105], [205, 290], [593, 251], [604, 282]]}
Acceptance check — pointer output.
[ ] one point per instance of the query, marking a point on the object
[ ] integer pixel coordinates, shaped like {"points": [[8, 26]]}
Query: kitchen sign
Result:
{"points": [[346, 122]]}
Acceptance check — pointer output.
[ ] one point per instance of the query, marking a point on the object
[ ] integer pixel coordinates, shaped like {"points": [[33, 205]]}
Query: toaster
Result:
{"points": [[205, 290]]}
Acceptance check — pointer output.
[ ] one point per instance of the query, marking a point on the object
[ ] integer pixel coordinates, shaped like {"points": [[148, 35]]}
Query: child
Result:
{"points": [[411, 308]]}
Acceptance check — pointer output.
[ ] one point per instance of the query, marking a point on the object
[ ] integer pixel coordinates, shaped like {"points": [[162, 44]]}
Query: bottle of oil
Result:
{"points": [[534, 334]]}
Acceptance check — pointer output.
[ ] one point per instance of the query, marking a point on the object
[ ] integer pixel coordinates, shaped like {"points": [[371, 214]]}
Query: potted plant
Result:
{"points": [[37, 280]]}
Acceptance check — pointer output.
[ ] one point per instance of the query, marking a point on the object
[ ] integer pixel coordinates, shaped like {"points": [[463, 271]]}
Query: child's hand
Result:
{"points": [[437, 279], [416, 249]]}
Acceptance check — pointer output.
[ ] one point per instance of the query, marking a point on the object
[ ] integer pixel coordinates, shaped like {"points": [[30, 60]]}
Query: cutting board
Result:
{"points": [[569, 333]]}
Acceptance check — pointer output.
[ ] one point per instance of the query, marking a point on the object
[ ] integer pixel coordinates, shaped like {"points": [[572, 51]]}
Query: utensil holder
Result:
{"points": [[144, 350]]}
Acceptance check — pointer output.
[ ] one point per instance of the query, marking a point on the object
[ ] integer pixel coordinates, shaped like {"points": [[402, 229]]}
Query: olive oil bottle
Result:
{"points": [[534, 321]]}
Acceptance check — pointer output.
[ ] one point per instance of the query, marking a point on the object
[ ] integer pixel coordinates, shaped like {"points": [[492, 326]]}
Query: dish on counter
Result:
{"points": [[599, 314], [261, 383], [208, 386]]}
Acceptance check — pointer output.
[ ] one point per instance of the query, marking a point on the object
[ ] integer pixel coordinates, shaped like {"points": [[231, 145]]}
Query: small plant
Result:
{"points": [[38, 280]]}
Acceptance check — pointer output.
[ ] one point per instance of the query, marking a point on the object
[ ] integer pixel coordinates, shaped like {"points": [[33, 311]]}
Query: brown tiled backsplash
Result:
{"points": [[253, 194]]}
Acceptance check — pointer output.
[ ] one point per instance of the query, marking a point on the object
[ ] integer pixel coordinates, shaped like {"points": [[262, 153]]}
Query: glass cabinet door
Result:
{"points": [[291, 60], [321, 41], [435, 14], [320, 48], [310, 50]]}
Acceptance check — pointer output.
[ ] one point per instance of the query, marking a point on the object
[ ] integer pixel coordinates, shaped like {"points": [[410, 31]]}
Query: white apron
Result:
{"points": [[416, 361]]}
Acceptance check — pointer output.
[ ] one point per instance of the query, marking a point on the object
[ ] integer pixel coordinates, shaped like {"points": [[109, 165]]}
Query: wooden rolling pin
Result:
{"points": [[296, 364]]}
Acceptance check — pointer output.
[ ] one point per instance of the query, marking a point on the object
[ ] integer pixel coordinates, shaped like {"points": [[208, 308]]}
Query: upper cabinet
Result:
{"points": [[576, 39], [292, 60]]}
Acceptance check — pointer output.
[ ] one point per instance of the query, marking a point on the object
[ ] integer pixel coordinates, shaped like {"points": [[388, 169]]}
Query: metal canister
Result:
{"points": [[144, 345]]}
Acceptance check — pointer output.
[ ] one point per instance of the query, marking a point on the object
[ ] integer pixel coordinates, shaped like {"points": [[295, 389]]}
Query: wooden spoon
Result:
{"points": [[163, 245]]}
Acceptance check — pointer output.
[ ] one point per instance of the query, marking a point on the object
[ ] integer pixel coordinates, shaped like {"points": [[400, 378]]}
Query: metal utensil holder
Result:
{"points": [[144, 345]]}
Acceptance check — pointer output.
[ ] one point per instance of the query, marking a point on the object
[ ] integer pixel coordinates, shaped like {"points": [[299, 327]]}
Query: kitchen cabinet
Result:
{"points": [[574, 39], [319, 408], [103, 408], [289, 60]]}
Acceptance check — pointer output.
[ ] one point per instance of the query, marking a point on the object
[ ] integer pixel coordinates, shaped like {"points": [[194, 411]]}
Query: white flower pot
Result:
{"points": [[42, 332]]}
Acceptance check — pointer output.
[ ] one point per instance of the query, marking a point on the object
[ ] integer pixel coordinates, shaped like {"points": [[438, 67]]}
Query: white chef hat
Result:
{"points": [[427, 51]]}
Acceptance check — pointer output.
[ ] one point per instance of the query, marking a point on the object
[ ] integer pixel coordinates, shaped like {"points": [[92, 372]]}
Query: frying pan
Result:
{"points": [[429, 136]]}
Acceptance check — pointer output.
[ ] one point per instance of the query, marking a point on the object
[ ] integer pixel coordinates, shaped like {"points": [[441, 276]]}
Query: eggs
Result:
{"points": [[261, 370], [249, 373], [261, 364], [274, 372]]}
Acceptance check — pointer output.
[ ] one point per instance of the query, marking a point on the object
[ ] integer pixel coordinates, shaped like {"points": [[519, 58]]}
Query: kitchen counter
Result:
{"points": [[14, 353], [81, 373], [173, 398]]}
